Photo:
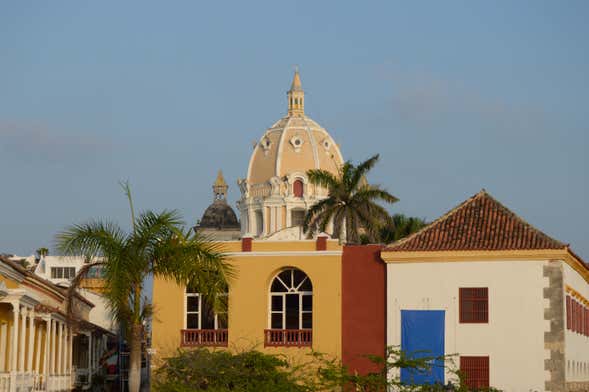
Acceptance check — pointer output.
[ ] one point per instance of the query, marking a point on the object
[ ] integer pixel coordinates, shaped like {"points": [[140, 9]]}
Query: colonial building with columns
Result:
{"points": [[39, 344]]}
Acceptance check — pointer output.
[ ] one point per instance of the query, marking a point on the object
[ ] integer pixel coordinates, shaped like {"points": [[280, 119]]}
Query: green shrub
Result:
{"points": [[221, 371]]}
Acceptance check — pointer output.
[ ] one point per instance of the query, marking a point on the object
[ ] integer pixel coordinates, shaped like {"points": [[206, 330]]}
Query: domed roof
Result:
{"points": [[219, 215], [295, 143]]}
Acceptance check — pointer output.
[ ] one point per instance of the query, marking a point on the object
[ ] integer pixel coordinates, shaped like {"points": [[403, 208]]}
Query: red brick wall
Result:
{"points": [[363, 306]]}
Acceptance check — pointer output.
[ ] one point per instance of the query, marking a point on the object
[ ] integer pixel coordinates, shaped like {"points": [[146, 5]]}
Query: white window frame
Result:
{"points": [[291, 290], [199, 312]]}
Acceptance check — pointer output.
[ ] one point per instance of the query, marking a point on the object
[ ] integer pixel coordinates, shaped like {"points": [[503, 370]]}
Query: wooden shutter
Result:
{"points": [[475, 371], [474, 304]]}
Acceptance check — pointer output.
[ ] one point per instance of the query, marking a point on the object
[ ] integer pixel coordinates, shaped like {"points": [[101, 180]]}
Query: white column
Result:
{"points": [[90, 358], [47, 356], [39, 340], [14, 345], [23, 331], [3, 345], [66, 353], [59, 346], [53, 344], [71, 351], [31, 350]]}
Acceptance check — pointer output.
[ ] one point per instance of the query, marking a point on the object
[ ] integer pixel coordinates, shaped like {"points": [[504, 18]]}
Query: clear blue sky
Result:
{"points": [[456, 96]]}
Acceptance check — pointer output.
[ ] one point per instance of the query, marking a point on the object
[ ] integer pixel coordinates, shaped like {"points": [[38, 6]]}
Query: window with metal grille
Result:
{"points": [[297, 217], [474, 304], [475, 371]]}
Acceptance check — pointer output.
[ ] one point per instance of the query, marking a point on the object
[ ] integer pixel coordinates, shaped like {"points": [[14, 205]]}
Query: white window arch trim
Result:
{"points": [[303, 297]]}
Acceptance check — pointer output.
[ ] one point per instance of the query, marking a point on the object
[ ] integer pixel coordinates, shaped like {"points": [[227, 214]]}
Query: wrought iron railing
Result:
{"points": [[288, 337], [204, 337]]}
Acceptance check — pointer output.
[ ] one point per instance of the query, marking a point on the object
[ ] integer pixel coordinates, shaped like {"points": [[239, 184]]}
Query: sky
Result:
{"points": [[455, 96]]}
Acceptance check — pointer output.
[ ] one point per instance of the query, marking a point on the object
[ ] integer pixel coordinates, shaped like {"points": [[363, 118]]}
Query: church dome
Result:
{"points": [[219, 215], [294, 144]]}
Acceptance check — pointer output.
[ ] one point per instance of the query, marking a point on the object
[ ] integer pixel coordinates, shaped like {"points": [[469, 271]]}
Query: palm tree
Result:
{"points": [[351, 203], [401, 227], [157, 245], [42, 252]]}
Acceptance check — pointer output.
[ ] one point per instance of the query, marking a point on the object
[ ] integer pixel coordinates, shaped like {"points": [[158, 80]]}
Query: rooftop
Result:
{"points": [[479, 223]]}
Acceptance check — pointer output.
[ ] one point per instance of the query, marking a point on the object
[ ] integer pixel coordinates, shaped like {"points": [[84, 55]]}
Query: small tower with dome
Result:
{"points": [[276, 193], [219, 221]]}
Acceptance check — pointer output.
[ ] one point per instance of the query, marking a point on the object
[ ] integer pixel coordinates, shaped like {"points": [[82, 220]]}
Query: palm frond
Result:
{"points": [[322, 178], [90, 239], [363, 168], [374, 192]]}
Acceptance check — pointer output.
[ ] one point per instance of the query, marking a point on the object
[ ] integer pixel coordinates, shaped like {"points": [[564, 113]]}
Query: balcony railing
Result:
{"points": [[288, 337], [204, 337]]}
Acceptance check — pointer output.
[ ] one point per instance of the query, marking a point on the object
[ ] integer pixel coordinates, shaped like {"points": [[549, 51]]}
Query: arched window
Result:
{"points": [[297, 188], [203, 326], [291, 298]]}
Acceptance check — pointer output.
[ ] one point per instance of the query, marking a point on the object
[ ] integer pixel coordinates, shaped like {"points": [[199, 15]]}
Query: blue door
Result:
{"points": [[422, 335]]}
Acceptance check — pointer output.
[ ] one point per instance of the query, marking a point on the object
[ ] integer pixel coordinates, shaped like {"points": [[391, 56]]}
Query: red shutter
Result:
{"points": [[569, 315], [576, 317], [584, 321], [473, 304], [297, 188], [475, 371]]}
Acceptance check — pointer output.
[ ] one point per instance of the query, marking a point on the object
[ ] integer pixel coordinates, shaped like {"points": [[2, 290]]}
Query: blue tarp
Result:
{"points": [[422, 335]]}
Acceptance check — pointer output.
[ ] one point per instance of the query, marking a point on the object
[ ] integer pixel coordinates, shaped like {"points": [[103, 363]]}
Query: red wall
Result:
{"points": [[363, 306]]}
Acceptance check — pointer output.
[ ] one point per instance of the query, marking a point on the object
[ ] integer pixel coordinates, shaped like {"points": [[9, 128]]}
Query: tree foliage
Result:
{"points": [[351, 203], [157, 245], [400, 227], [248, 371]]}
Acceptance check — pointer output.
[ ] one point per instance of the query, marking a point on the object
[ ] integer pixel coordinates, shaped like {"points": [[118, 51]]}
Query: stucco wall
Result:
{"points": [[363, 307], [576, 345], [249, 299], [514, 336]]}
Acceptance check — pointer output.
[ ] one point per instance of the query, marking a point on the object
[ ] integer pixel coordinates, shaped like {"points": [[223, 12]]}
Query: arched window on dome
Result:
{"points": [[298, 188], [290, 309], [202, 325]]}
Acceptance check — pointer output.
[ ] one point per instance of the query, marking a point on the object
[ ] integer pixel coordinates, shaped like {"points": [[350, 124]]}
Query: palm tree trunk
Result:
{"points": [[135, 357]]}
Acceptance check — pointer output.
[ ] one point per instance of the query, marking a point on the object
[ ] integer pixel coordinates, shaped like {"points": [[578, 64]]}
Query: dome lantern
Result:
{"points": [[296, 96], [220, 187]]}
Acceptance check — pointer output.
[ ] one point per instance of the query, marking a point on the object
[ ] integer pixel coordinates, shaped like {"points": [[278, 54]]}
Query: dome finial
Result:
{"points": [[296, 95], [220, 187]]}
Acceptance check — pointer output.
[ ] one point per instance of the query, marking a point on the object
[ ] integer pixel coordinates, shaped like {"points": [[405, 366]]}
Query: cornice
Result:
{"points": [[306, 253], [10, 273], [565, 255]]}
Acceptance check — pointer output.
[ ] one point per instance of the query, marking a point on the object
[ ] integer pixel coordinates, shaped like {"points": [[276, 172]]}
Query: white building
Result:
{"points": [[510, 301], [60, 270]]}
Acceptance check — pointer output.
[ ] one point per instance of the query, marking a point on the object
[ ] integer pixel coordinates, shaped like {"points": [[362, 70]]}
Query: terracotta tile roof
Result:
{"points": [[479, 223]]}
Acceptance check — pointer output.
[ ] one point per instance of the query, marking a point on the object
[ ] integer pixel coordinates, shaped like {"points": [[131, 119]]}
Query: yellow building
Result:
{"points": [[38, 345], [287, 294]]}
